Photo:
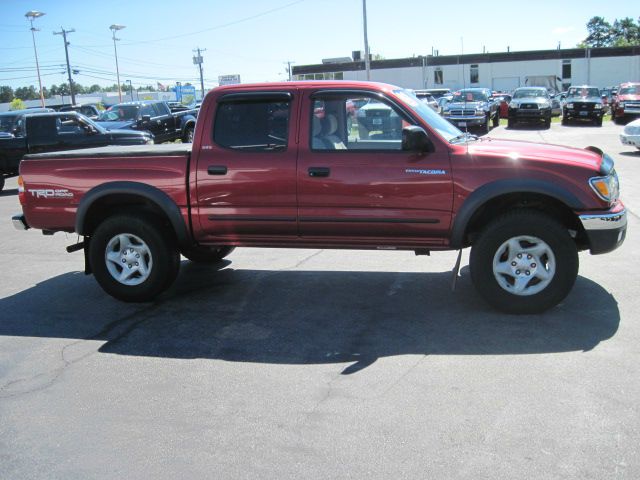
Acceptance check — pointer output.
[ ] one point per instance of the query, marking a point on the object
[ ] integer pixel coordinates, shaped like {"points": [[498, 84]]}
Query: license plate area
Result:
{"points": [[377, 121], [462, 124], [584, 113]]}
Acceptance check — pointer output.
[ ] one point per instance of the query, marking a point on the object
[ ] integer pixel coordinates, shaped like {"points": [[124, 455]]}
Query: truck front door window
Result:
{"points": [[255, 125]]}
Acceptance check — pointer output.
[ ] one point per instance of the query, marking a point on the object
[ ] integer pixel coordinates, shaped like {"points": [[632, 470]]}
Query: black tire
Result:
{"points": [[618, 120], [487, 124], [510, 226], [565, 121], [208, 255], [496, 119], [598, 122], [1, 183], [187, 137], [511, 122], [160, 244], [547, 123]]}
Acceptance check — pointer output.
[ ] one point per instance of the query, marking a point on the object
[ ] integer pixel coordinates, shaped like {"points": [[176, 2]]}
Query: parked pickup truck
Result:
{"points": [[274, 165], [473, 107], [27, 132], [153, 116]]}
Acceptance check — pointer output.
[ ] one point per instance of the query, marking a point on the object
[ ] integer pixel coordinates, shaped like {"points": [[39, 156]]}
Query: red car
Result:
{"points": [[626, 103], [265, 171], [504, 99]]}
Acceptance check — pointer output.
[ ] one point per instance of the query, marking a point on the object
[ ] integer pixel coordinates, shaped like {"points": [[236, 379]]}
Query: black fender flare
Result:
{"points": [[492, 190], [186, 122], [152, 194]]}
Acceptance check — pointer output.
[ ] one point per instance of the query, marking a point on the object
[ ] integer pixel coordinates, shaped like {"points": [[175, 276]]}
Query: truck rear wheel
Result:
{"points": [[208, 255], [496, 119], [134, 258], [524, 262], [188, 135]]}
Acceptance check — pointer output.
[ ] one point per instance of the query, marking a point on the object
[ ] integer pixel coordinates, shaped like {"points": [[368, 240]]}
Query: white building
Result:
{"points": [[602, 67]]}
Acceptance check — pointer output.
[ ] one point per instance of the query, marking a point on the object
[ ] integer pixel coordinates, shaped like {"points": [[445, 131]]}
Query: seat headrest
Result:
{"points": [[316, 126]]}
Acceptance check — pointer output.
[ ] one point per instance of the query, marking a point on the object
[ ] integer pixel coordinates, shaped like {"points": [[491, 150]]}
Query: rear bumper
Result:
{"points": [[605, 231], [19, 222]]}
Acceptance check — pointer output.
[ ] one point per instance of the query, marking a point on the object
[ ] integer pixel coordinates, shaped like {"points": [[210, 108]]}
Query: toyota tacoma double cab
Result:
{"points": [[275, 165], [473, 107]]}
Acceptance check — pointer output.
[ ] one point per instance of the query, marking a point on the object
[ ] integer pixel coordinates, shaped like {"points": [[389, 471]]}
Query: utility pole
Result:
{"points": [[197, 60], [32, 15], [66, 51], [114, 28], [367, 63], [289, 62]]}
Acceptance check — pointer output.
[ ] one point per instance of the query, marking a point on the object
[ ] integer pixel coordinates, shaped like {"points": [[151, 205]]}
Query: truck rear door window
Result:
{"points": [[257, 125]]}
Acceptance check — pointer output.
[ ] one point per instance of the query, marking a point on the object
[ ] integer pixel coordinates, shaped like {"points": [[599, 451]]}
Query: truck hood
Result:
{"points": [[516, 150], [116, 125], [129, 137], [583, 99], [628, 98], [466, 105]]}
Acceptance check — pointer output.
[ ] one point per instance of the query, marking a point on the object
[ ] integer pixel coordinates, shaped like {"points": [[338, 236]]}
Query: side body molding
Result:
{"points": [[152, 194], [495, 189]]}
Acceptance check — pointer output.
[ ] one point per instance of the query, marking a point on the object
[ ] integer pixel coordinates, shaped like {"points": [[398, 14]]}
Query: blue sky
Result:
{"points": [[255, 38]]}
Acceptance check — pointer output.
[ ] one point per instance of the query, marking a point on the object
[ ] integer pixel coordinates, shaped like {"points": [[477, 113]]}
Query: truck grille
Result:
{"points": [[583, 106], [631, 105], [529, 106], [468, 111]]}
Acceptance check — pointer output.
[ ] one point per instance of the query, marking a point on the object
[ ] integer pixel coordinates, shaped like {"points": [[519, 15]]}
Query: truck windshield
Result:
{"points": [[447, 130], [529, 93], [629, 91], [583, 92], [119, 113], [469, 96], [7, 123]]}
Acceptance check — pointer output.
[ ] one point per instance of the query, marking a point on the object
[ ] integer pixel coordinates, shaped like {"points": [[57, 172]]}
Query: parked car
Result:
{"points": [[626, 102], [428, 99], [503, 100], [256, 176], [556, 104], [89, 110], [472, 107], [530, 104], [152, 116], [631, 134], [434, 92], [583, 103], [54, 131], [442, 103]]}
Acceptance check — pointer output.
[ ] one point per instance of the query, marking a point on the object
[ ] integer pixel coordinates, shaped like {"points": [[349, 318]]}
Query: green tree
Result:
{"points": [[625, 32], [599, 33], [17, 104], [27, 93], [6, 93], [95, 88]]}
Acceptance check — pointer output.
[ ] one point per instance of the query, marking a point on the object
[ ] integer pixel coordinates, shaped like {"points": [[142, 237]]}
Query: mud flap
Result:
{"points": [[454, 272]]}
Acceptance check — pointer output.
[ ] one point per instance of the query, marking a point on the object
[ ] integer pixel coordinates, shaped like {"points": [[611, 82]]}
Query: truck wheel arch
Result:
{"points": [[131, 193], [501, 189]]}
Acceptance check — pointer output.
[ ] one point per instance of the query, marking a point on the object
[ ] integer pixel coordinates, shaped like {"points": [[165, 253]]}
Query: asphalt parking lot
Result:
{"points": [[320, 364]]}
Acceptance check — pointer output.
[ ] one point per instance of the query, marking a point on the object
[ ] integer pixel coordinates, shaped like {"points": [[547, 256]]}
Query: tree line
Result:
{"points": [[8, 94], [622, 33]]}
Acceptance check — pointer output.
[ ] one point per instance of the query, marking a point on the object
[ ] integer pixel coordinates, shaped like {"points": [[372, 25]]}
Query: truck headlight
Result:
{"points": [[621, 105], [607, 187], [569, 105], [150, 141], [446, 113], [544, 105], [598, 106]]}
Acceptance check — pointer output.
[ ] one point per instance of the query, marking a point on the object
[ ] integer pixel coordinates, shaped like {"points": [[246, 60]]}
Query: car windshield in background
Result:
{"points": [[532, 93], [583, 92], [447, 130], [469, 97], [122, 113], [629, 91]]}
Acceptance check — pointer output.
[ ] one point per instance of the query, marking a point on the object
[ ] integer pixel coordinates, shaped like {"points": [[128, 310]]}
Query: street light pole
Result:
{"points": [[32, 15], [367, 64], [115, 27], [130, 89]]}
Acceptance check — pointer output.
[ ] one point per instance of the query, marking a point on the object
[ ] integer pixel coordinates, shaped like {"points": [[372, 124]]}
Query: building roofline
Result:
{"points": [[497, 57]]}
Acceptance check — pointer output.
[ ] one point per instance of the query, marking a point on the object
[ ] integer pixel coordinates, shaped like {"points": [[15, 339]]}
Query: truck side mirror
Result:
{"points": [[415, 139], [145, 119]]}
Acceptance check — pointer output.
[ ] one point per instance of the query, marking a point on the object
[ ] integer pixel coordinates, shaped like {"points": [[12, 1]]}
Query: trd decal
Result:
{"points": [[50, 193]]}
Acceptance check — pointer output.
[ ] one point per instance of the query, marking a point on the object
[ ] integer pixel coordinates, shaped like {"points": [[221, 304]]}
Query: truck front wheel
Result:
{"points": [[133, 258], [187, 137], [524, 262]]}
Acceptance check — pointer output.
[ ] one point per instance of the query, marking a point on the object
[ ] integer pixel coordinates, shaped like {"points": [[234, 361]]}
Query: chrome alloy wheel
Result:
{"points": [[524, 265], [128, 259]]}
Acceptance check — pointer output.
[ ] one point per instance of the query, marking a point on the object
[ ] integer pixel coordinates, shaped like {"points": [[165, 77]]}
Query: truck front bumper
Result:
{"points": [[606, 230], [19, 222], [466, 121]]}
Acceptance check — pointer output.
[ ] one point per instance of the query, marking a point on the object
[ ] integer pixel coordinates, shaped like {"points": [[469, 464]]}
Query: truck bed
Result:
{"points": [[163, 150]]}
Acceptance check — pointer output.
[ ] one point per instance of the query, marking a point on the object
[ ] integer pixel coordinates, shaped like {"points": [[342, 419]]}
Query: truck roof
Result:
{"points": [[309, 84]]}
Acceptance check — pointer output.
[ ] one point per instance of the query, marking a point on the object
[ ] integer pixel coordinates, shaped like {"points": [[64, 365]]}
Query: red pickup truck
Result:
{"points": [[288, 165]]}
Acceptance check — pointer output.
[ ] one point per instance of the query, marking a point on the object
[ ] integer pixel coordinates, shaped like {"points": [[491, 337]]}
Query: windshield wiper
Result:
{"points": [[463, 136]]}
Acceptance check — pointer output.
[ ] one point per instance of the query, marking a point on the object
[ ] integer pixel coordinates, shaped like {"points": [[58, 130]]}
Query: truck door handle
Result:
{"points": [[319, 171], [217, 170]]}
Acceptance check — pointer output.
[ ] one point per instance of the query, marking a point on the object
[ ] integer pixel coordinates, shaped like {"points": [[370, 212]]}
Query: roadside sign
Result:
{"points": [[228, 79], [186, 94]]}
